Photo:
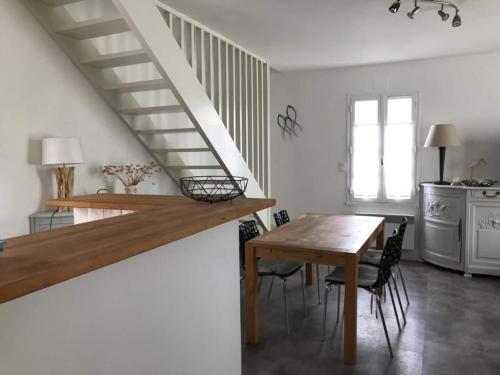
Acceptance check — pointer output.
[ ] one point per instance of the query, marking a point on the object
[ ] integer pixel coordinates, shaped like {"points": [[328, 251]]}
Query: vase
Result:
{"points": [[131, 189]]}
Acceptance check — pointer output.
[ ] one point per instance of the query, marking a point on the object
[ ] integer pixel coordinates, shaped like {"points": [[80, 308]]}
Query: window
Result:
{"points": [[382, 148]]}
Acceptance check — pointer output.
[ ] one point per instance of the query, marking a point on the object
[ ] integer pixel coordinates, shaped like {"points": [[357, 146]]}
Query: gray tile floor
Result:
{"points": [[453, 328]]}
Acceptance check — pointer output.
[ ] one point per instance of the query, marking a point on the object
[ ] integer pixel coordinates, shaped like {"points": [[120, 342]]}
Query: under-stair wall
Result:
{"points": [[197, 101]]}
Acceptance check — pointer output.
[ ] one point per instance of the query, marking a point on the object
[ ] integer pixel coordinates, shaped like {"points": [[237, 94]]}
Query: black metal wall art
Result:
{"points": [[288, 123]]}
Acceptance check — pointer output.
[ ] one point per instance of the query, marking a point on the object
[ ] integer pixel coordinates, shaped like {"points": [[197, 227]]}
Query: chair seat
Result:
{"points": [[367, 276], [371, 257], [280, 268]]}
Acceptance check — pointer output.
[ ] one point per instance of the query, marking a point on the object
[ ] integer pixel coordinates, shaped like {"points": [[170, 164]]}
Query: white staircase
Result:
{"points": [[197, 101]]}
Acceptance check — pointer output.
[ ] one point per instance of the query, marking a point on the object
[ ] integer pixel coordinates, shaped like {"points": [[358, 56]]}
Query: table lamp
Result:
{"points": [[442, 136], [61, 152]]}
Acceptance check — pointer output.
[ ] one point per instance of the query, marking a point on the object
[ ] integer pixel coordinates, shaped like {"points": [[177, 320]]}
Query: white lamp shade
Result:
{"points": [[58, 151], [442, 135]]}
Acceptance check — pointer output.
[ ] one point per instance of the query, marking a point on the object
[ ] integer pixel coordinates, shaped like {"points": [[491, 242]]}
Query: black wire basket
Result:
{"points": [[213, 188]]}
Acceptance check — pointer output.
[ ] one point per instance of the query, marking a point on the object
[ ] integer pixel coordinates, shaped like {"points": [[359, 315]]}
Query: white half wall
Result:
{"points": [[461, 90], [42, 94], [174, 310]]}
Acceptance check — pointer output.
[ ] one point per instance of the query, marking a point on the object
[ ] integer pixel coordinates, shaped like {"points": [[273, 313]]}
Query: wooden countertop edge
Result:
{"points": [[135, 202], [139, 239]]}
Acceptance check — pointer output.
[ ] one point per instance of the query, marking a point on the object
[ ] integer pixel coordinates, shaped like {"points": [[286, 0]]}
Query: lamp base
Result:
{"points": [[442, 183], [65, 177]]}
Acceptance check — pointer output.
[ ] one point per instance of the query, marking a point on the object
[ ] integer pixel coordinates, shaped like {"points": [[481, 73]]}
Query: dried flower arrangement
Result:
{"points": [[131, 175]]}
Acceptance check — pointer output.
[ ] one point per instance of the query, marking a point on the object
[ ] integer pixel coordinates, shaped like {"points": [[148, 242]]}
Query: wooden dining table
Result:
{"points": [[336, 240]]}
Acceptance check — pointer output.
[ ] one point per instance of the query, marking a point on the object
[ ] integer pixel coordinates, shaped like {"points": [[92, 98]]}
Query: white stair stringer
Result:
{"points": [[145, 20], [44, 12]]}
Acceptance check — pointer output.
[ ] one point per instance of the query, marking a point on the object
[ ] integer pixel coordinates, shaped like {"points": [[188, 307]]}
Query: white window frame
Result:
{"points": [[382, 102]]}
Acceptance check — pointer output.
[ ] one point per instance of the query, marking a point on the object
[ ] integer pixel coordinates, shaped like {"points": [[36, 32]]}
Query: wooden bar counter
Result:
{"points": [[33, 262]]}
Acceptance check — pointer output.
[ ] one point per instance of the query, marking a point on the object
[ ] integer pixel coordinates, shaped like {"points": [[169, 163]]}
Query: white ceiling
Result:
{"points": [[308, 34]]}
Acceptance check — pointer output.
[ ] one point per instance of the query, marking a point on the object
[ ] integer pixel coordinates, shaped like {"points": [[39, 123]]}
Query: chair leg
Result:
{"points": [[303, 291], [399, 298], [270, 287], [260, 283], [317, 282], [327, 289], [393, 304], [385, 295], [379, 305], [338, 303], [371, 304], [404, 285], [286, 308]]}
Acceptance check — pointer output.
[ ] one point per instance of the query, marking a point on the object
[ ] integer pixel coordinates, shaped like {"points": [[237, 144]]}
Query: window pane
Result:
{"points": [[398, 161], [365, 161], [399, 110], [366, 112]]}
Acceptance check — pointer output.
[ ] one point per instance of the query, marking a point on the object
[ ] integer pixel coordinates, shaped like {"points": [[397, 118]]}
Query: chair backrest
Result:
{"points": [[284, 217], [389, 259], [281, 218], [277, 219], [248, 231], [401, 235]]}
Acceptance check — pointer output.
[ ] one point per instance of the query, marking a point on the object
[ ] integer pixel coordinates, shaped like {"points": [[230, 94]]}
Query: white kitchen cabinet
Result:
{"points": [[43, 221], [443, 218], [460, 228], [484, 239]]}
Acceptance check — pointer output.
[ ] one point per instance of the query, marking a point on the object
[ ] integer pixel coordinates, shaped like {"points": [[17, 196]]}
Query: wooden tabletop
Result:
{"points": [[33, 262], [342, 234], [313, 238]]}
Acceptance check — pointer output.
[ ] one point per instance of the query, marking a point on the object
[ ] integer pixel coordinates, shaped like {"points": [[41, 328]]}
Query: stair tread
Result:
{"points": [[94, 28], [166, 150], [152, 110], [56, 3], [153, 84], [193, 167], [118, 59], [162, 131]]}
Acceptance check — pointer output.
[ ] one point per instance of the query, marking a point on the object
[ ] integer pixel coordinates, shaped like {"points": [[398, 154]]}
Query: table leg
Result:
{"points": [[309, 274], [380, 239], [350, 310], [251, 296]]}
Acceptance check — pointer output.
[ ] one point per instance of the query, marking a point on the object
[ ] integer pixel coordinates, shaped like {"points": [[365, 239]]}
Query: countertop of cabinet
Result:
{"points": [[33, 262], [462, 187]]}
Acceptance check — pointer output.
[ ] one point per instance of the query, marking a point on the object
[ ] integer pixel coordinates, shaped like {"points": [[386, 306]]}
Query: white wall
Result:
{"points": [[461, 90], [42, 94], [174, 310]]}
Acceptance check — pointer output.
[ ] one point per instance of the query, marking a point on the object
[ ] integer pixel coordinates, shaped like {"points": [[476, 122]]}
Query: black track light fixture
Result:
{"points": [[457, 20], [444, 16], [442, 12], [415, 10], [394, 8]]}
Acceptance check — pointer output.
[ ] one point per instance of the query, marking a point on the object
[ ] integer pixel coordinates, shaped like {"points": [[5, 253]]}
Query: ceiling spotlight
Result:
{"points": [[457, 21], [441, 5], [415, 10], [394, 8], [444, 16]]}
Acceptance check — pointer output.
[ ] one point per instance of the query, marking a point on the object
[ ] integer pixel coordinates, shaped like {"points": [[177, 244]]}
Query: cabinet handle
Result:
{"points": [[494, 195], [460, 231]]}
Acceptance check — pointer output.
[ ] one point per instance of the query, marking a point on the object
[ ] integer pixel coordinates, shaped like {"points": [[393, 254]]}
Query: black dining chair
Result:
{"points": [[372, 257], [248, 230], [372, 279], [281, 218]]}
